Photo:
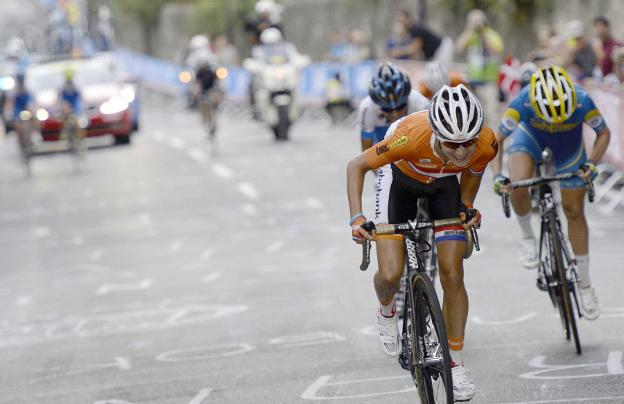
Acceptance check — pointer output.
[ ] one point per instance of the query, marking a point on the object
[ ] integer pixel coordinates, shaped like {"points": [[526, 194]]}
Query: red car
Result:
{"points": [[105, 100]]}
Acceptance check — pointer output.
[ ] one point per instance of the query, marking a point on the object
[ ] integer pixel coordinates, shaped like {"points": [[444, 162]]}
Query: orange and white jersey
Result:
{"points": [[409, 144]]}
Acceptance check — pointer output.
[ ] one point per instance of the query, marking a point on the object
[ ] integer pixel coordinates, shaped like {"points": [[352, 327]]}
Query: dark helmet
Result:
{"points": [[390, 87]]}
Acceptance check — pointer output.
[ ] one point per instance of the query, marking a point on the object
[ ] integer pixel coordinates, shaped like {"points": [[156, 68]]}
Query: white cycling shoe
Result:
{"points": [[528, 253], [388, 334], [589, 302], [463, 385]]}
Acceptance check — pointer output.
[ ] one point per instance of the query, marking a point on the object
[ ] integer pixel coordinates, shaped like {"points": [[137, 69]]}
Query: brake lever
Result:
{"points": [[475, 238], [365, 255]]}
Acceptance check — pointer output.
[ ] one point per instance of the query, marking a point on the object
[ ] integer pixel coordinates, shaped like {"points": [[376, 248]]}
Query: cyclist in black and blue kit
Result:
{"points": [[550, 112], [21, 114], [70, 95]]}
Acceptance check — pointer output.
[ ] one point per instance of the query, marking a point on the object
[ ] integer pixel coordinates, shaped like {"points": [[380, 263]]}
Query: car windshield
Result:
{"points": [[52, 77]]}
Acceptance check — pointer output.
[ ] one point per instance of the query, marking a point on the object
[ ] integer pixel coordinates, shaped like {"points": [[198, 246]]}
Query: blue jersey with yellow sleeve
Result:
{"points": [[531, 135]]}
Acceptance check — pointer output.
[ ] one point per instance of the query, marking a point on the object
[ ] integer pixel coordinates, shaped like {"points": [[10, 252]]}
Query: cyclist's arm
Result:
{"points": [[497, 163], [469, 186], [600, 144], [356, 170]]}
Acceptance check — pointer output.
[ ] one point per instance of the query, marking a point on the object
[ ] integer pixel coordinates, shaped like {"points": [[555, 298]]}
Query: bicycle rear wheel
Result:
{"points": [[566, 310], [430, 357]]}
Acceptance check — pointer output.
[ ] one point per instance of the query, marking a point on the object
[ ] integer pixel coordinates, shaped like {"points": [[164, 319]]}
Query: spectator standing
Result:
{"points": [[483, 47], [604, 44], [424, 44], [398, 41], [579, 57]]}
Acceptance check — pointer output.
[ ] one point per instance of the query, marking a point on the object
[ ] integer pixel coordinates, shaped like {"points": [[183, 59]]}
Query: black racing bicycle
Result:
{"points": [[557, 272], [424, 345]]}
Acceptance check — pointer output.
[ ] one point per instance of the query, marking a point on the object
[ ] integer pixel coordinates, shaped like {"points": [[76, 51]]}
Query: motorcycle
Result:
{"points": [[274, 90]]}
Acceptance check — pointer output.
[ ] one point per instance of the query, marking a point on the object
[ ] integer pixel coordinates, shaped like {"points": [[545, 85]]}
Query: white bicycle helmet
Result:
{"points": [[436, 76], [271, 36], [455, 114]]}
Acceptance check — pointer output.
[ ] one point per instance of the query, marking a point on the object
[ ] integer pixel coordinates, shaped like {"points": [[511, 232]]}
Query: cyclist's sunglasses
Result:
{"points": [[455, 146], [388, 110]]}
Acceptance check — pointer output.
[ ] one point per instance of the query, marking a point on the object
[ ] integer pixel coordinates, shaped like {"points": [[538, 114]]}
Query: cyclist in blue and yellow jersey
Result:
{"points": [[70, 95], [390, 97], [550, 112]]}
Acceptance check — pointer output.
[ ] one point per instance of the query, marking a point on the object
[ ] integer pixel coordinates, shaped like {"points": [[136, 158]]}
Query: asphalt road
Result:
{"points": [[166, 273]]}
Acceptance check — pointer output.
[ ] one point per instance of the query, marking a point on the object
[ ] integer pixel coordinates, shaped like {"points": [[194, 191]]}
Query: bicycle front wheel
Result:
{"points": [[430, 357], [566, 310]]}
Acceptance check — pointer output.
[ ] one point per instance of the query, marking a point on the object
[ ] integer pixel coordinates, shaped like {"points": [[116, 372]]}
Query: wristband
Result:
{"points": [[359, 214]]}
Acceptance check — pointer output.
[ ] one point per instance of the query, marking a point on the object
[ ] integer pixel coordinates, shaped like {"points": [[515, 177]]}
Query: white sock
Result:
{"points": [[388, 310], [582, 263], [457, 357], [525, 225]]}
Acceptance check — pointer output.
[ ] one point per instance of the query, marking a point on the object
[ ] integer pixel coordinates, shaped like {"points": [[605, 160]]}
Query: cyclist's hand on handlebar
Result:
{"points": [[471, 217], [358, 234], [501, 184], [587, 170]]}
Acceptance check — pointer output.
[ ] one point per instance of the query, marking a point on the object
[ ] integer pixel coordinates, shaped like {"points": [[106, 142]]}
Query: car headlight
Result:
{"points": [[7, 83], [42, 114], [185, 77], [113, 106], [128, 94]]}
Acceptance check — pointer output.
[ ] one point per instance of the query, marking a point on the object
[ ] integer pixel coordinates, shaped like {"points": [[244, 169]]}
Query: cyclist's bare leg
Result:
{"points": [[573, 201], [521, 167], [390, 259], [455, 301]]}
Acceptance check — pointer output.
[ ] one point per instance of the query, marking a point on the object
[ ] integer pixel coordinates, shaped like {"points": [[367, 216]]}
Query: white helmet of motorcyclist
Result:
{"points": [[265, 8], [199, 42], [271, 36], [201, 58], [16, 47]]}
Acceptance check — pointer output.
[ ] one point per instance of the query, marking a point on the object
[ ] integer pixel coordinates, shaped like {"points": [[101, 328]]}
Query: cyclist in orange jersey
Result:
{"points": [[421, 156]]}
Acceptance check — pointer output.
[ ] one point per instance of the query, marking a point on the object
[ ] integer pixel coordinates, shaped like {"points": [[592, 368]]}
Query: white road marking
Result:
{"points": [[158, 135], [222, 171], [570, 400], [201, 396], [145, 219], [198, 155], [113, 401], [370, 330], [479, 320], [177, 143], [108, 288], [206, 255], [41, 232], [23, 300], [78, 240], [204, 353], [175, 246], [248, 190], [311, 392], [212, 277], [96, 255], [613, 365], [120, 362], [314, 203], [275, 246], [250, 209], [308, 339]]}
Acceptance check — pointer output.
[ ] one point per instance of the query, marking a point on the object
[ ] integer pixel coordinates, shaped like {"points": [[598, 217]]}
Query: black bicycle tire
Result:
{"points": [[423, 287], [567, 308], [551, 279]]}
